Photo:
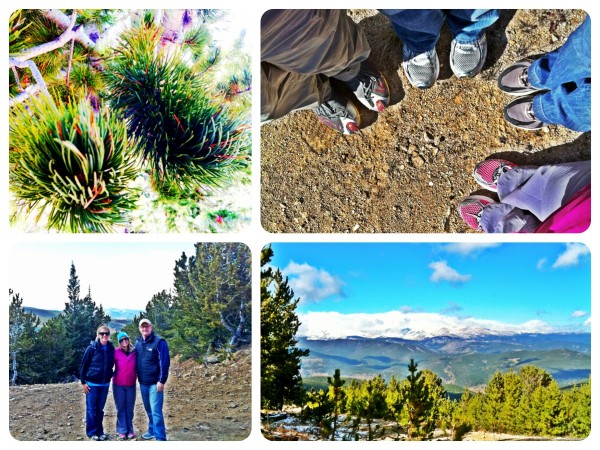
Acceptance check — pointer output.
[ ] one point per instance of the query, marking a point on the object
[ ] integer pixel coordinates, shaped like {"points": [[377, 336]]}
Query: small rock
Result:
{"points": [[355, 227]]}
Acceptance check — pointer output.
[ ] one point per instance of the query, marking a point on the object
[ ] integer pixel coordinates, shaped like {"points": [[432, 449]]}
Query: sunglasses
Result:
{"points": [[104, 333], [124, 339]]}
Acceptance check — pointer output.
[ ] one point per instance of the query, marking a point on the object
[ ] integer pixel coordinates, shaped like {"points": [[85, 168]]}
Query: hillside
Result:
{"points": [[210, 403], [466, 362]]}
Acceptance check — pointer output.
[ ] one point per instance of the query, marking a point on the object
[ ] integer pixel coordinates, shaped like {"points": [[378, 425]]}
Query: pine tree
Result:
{"points": [[420, 404], [494, 395], [212, 298], [80, 319], [22, 336], [336, 395], [191, 136], [281, 381]]}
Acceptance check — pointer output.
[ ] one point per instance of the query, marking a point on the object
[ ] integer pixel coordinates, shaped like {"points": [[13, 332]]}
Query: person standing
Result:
{"points": [[152, 367], [124, 386], [95, 374]]}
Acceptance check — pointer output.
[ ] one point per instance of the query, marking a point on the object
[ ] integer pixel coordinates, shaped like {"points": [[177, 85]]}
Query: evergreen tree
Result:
{"points": [[80, 320], [395, 401], [336, 396], [212, 298], [22, 336], [578, 407], [281, 382], [494, 395], [420, 404]]}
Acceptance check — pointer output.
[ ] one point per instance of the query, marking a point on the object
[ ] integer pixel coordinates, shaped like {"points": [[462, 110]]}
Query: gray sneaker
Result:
{"points": [[421, 69], [519, 113], [340, 114], [515, 79], [466, 60]]}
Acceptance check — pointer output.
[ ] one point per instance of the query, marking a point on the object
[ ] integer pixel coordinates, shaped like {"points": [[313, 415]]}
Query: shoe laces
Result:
{"points": [[524, 77], [329, 110], [529, 111], [421, 59], [500, 170]]}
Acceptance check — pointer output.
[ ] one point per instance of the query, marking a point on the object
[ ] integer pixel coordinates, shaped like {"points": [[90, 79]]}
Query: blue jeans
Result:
{"points": [[94, 410], [566, 74], [420, 29], [124, 404], [153, 404]]}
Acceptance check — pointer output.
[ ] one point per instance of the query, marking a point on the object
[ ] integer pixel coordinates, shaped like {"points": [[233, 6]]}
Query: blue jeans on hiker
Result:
{"points": [[124, 404], [153, 404], [420, 29], [566, 74], [94, 410]]}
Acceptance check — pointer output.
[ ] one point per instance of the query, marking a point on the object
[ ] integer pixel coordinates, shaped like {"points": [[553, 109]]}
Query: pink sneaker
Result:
{"points": [[488, 172], [470, 210], [131, 436]]}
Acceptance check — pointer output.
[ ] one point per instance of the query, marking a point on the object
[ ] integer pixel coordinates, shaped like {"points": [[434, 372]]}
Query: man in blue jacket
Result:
{"points": [[152, 367]]}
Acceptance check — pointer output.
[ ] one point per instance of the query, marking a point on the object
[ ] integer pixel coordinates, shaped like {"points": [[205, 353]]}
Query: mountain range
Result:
{"points": [[467, 361]]}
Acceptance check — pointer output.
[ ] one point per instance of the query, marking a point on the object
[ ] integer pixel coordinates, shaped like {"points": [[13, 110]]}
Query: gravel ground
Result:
{"points": [[410, 166]]}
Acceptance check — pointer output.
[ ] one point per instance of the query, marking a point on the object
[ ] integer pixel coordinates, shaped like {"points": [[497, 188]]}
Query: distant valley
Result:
{"points": [[463, 362]]}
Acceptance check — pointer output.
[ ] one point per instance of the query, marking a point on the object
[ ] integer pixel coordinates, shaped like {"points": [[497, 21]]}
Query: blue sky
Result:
{"points": [[544, 285], [120, 275]]}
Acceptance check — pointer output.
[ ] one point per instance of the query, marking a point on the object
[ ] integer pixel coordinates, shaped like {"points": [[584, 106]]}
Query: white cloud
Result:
{"points": [[541, 263], [588, 322], [411, 325], [579, 313], [443, 272], [467, 248], [312, 284], [571, 256]]}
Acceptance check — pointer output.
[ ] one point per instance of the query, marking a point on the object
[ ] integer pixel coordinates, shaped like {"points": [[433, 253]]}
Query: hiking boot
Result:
{"points": [[94, 438], [421, 69], [470, 210], [340, 114], [519, 113], [466, 60], [515, 79], [148, 436], [370, 87], [104, 437], [488, 172]]}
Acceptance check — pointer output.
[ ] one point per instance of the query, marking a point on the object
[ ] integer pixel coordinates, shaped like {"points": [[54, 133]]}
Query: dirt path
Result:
{"points": [[410, 167], [201, 403]]}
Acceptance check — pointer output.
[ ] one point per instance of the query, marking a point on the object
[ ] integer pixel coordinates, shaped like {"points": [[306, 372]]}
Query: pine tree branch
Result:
{"points": [[62, 20], [40, 86], [46, 47]]}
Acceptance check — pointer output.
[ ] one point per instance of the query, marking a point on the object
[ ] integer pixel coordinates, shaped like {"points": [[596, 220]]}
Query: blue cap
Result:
{"points": [[122, 335]]}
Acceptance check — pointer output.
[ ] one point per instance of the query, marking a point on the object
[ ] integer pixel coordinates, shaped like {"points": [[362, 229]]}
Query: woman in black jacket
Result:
{"points": [[95, 374]]}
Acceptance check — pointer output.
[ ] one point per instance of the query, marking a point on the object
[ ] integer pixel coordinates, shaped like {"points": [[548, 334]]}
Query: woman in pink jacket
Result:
{"points": [[124, 386]]}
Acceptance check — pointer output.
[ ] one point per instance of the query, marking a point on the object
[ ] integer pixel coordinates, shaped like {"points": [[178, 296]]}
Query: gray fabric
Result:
{"points": [[530, 194], [300, 51]]}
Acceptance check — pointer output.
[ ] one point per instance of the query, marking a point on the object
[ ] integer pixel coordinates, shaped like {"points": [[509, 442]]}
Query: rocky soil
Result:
{"points": [[410, 166], [209, 403]]}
